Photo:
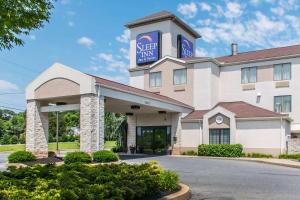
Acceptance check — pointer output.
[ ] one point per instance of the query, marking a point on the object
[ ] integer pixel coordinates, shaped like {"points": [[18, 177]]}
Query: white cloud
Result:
{"points": [[71, 23], [88, 42], [113, 63], [125, 37], [125, 53], [187, 10], [6, 85], [200, 52], [32, 37], [205, 6], [234, 10], [121, 79]]}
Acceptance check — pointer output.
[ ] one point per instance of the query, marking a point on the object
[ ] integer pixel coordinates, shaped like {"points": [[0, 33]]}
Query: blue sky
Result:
{"points": [[90, 36]]}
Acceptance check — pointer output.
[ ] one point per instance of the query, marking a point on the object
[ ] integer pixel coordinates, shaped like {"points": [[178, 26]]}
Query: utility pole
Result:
{"points": [[57, 132]]}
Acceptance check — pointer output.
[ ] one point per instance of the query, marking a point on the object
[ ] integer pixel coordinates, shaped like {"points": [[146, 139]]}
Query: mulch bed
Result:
{"points": [[49, 160]]}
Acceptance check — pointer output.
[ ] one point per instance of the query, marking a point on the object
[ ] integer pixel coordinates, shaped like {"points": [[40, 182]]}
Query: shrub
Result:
{"points": [[289, 156], [105, 156], [168, 181], [189, 153], [21, 156], [79, 181], [258, 155], [77, 157], [51, 154], [220, 150]]}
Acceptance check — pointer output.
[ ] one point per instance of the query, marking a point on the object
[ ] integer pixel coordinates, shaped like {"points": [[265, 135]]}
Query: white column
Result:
{"points": [[36, 130], [91, 123], [131, 133]]}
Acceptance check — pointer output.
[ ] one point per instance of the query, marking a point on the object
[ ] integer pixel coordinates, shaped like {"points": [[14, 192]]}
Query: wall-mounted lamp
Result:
{"points": [[135, 107], [162, 112], [128, 114], [258, 97]]}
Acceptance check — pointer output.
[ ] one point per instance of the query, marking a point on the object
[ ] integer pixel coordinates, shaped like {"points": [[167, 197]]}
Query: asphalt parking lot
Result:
{"points": [[211, 179], [227, 179]]}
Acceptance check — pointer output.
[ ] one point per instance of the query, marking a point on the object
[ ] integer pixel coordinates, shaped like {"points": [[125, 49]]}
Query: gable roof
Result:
{"points": [[162, 16], [132, 90], [239, 108], [261, 54]]}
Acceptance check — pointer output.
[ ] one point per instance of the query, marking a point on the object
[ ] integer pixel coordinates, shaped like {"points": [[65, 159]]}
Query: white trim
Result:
{"points": [[57, 70], [148, 101], [61, 108], [158, 62]]}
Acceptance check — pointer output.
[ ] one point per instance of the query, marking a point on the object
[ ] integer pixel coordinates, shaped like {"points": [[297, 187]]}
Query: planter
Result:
{"points": [[132, 150], [183, 194]]}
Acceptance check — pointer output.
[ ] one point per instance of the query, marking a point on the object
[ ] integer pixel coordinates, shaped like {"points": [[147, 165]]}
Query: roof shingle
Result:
{"points": [[137, 91], [239, 108]]}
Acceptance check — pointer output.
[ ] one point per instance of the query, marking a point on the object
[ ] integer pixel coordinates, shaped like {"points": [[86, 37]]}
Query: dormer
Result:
{"points": [[158, 35]]}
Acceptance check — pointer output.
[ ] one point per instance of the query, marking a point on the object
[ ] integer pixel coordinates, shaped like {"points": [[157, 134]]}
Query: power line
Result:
{"points": [[6, 107], [17, 64], [10, 93]]}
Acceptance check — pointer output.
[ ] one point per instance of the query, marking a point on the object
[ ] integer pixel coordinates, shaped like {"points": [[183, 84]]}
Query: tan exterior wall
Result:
{"points": [[58, 87], [214, 125], [191, 135], [183, 93], [265, 73]]}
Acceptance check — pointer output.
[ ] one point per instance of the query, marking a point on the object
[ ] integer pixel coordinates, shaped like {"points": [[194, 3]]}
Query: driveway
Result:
{"points": [[211, 179], [227, 179]]}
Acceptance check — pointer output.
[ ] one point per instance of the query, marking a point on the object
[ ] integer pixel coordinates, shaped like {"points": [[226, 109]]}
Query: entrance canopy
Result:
{"points": [[61, 88]]}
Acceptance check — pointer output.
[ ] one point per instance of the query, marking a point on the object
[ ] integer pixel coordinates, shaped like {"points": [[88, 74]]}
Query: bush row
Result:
{"points": [[220, 150], [99, 156], [257, 155], [290, 156], [78, 181], [74, 157]]}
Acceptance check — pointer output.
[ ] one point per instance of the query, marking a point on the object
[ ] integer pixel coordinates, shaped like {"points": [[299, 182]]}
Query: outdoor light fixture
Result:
{"points": [[60, 103], [135, 107], [128, 114], [162, 112]]}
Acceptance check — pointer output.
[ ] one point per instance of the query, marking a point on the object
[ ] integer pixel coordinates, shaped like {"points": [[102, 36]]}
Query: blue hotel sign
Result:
{"points": [[147, 47], [185, 47]]}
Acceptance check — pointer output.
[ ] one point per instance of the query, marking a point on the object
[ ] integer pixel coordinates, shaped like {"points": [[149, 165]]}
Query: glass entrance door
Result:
{"points": [[153, 140]]}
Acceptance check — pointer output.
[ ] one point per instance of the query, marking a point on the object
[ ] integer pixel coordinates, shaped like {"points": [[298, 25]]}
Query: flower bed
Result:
{"points": [[81, 181]]}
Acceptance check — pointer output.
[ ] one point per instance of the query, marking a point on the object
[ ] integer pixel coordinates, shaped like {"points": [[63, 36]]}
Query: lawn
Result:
{"points": [[52, 146]]}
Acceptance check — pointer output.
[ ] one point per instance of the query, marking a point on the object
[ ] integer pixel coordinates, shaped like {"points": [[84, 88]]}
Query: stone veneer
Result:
{"points": [[36, 130], [91, 123], [131, 133]]}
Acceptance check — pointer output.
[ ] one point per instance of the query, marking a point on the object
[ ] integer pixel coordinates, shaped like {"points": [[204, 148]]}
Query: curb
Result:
{"points": [[183, 194], [296, 166]]}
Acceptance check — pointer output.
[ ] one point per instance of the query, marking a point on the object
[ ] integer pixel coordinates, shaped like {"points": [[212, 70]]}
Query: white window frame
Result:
{"points": [[281, 106], [281, 78], [248, 71], [183, 82], [156, 83]]}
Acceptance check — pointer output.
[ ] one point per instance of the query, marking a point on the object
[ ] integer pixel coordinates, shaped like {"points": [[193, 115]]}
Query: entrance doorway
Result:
{"points": [[153, 139]]}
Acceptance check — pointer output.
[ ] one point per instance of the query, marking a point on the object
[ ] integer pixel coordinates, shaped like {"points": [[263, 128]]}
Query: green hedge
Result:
{"points": [[258, 155], [190, 153], [79, 181], [105, 156], [77, 157], [290, 156], [220, 150], [21, 156]]}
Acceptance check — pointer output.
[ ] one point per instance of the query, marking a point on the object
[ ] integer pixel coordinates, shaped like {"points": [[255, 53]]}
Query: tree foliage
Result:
{"points": [[19, 17]]}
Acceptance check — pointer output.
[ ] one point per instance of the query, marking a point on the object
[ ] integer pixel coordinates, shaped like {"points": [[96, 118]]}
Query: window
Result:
{"points": [[155, 79], [219, 136], [248, 75], [179, 76], [283, 104], [282, 72]]}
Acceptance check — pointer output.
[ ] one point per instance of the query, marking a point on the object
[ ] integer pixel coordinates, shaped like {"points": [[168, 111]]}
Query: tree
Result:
{"points": [[113, 124], [19, 17]]}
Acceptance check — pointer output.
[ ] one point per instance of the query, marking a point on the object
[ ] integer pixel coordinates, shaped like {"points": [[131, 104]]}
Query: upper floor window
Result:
{"points": [[155, 79], [179, 76], [249, 75], [282, 72], [283, 104]]}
